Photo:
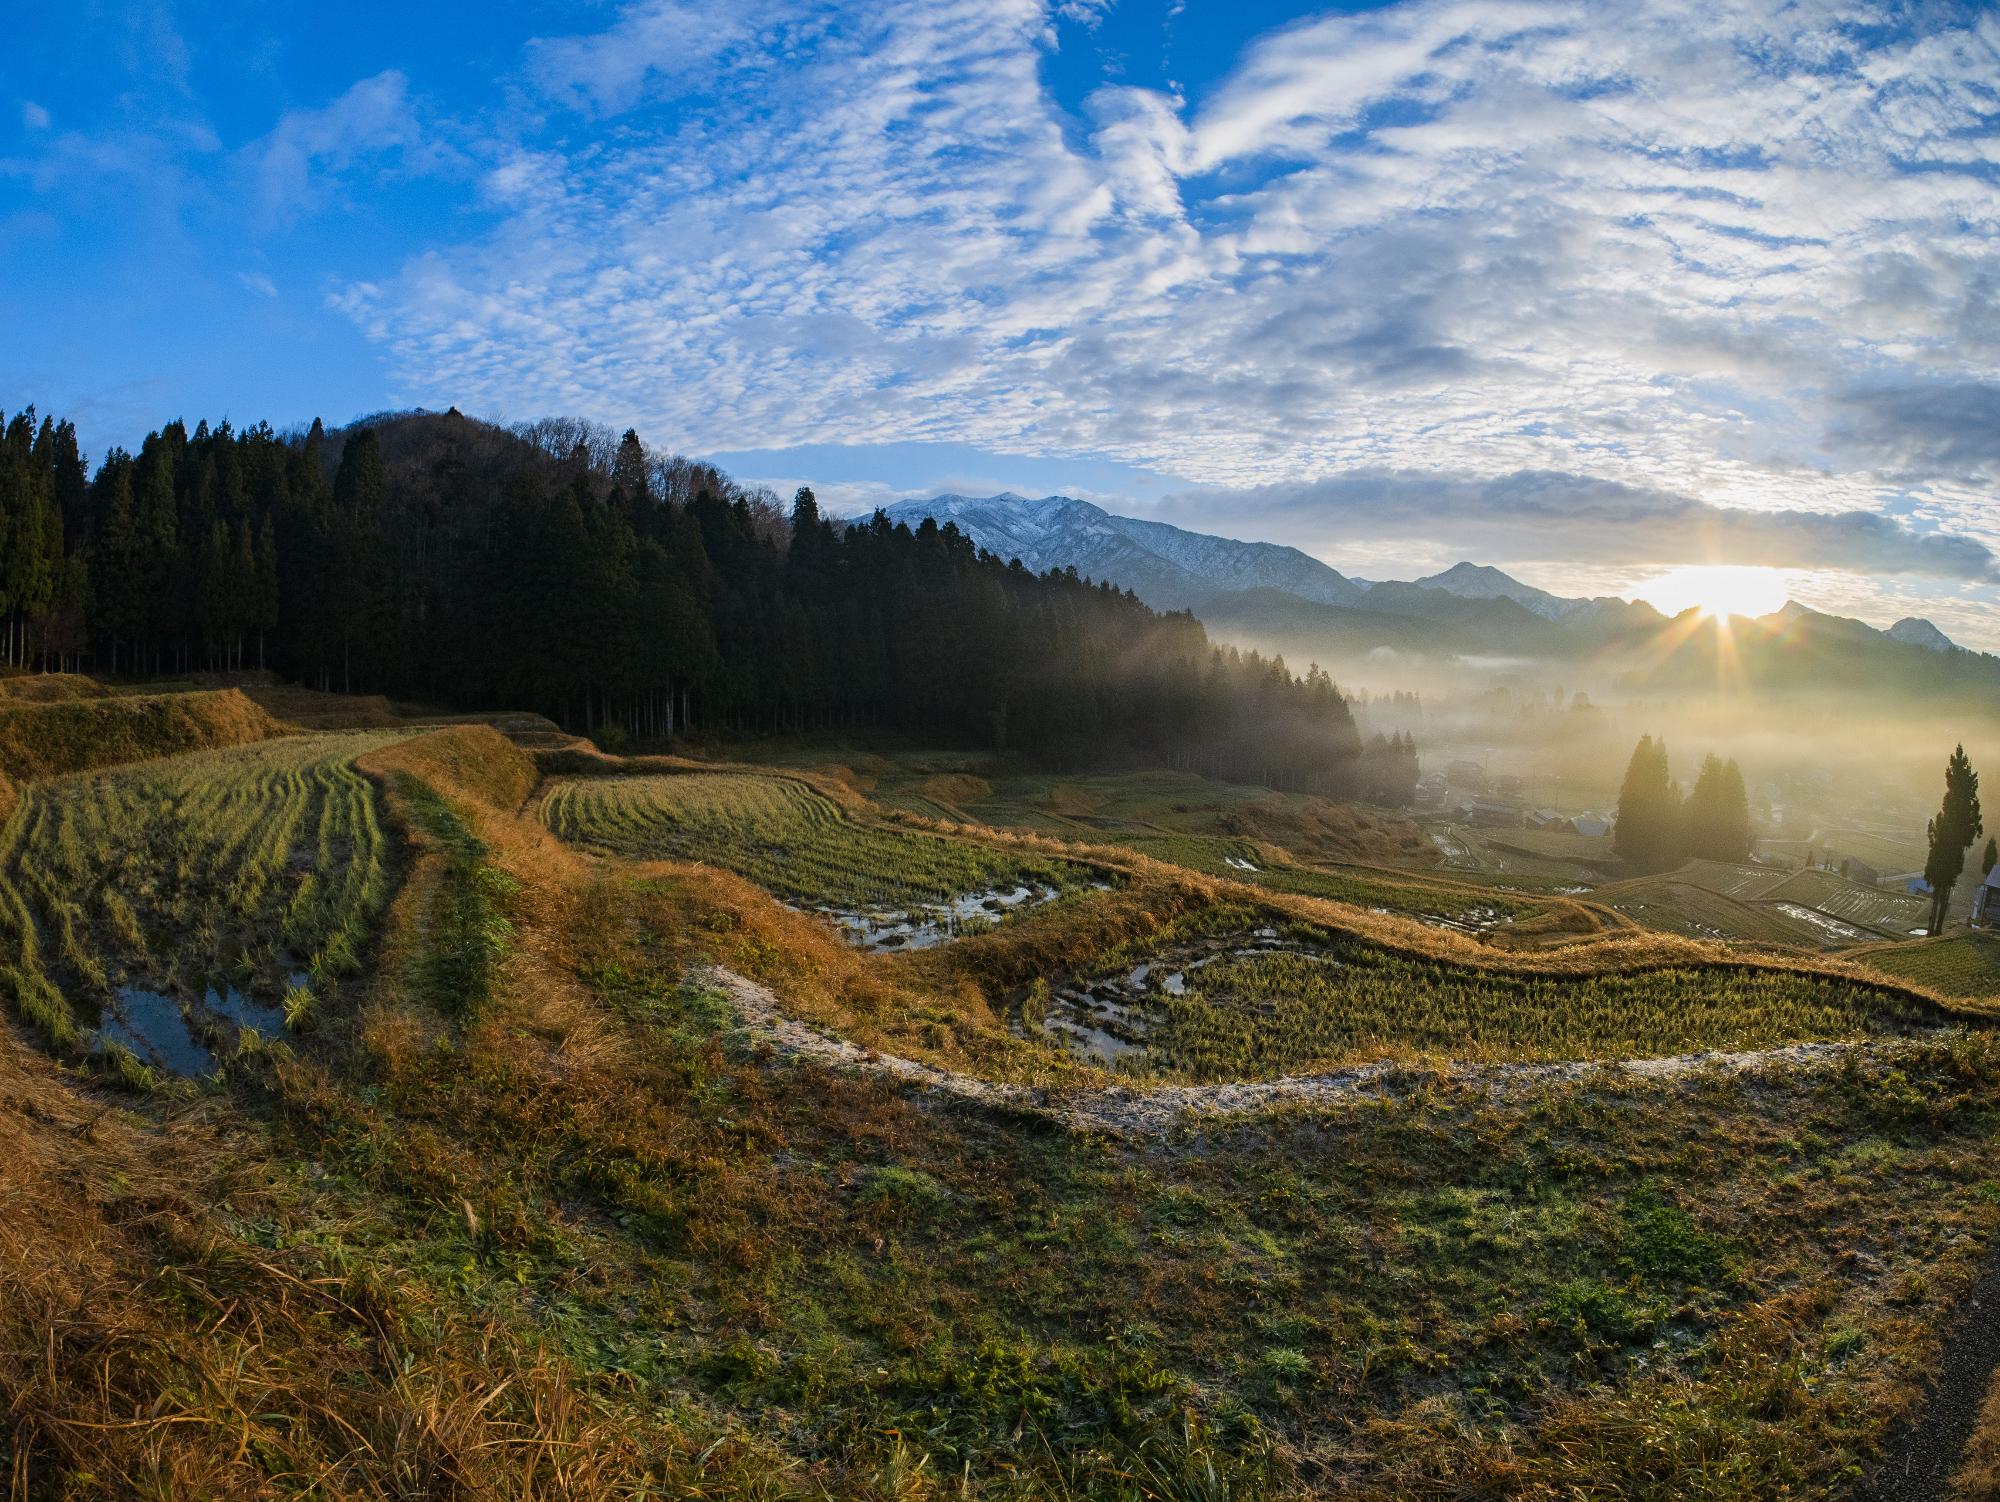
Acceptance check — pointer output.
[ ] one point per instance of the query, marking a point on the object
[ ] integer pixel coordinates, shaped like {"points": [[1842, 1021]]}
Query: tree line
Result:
{"points": [[1658, 827], [625, 593]]}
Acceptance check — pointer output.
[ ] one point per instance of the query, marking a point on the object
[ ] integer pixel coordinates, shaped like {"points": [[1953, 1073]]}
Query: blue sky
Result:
{"points": [[1586, 290]]}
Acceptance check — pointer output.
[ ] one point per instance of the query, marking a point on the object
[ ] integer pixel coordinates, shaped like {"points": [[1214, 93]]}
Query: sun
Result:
{"points": [[1717, 589]]}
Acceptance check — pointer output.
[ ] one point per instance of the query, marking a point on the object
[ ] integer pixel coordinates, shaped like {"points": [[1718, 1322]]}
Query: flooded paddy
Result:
{"points": [[183, 1036]]}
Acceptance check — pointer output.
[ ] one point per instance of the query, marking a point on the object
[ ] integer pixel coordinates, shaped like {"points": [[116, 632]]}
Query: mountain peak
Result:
{"points": [[1918, 632], [1479, 581], [1169, 567]]}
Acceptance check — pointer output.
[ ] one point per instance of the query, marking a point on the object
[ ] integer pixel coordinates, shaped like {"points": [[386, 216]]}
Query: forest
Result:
{"points": [[628, 594]]}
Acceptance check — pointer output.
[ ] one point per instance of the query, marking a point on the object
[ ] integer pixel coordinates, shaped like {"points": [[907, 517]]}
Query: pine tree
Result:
{"points": [[1951, 833], [1716, 822], [120, 567], [1648, 829]]}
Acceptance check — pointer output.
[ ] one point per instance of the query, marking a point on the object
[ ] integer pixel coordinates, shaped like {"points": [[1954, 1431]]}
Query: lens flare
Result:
{"points": [[1717, 589]]}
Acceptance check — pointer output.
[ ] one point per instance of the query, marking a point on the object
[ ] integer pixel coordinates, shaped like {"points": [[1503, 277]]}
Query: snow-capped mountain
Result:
{"points": [[1918, 632], [1166, 566], [1476, 581], [1264, 593]]}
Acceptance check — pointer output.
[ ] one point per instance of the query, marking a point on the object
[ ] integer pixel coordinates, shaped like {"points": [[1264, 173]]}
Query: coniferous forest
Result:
{"points": [[622, 592]]}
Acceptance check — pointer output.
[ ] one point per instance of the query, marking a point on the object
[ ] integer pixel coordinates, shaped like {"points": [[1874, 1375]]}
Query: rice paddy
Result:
{"points": [[1437, 904], [215, 888], [896, 886], [1275, 1001], [1965, 964]]}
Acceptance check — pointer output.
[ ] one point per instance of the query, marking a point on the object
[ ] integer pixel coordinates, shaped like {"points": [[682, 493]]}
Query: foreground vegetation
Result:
{"points": [[527, 1213]]}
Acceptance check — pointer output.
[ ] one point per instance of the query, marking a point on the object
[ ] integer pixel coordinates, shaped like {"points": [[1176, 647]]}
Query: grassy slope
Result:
{"points": [[539, 1224]]}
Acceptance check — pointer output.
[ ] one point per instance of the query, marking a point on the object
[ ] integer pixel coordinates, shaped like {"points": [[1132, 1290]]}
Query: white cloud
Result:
{"points": [[34, 116], [258, 282], [1743, 253], [371, 118]]}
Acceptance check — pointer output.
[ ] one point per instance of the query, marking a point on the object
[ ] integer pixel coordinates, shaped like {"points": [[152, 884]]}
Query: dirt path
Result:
{"points": [[1923, 1455], [1158, 1109]]}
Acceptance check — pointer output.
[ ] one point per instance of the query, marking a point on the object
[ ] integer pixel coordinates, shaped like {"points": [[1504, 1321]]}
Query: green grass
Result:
{"points": [[1329, 1000], [468, 931], [792, 841], [216, 868]]}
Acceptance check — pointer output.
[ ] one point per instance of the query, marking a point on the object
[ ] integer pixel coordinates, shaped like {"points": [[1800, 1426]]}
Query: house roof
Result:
{"points": [[1992, 878]]}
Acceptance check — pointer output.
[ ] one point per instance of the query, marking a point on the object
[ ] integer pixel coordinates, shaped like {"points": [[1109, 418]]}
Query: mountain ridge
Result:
{"points": [[1268, 590]]}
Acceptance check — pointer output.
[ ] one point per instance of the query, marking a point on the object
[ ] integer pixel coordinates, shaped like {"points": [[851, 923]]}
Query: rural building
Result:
{"points": [[1550, 819], [1466, 774], [1860, 871], [1594, 825], [1986, 901], [1488, 814]]}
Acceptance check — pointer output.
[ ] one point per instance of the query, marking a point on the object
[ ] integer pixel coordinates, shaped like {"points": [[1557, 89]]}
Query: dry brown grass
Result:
{"points": [[1318, 829], [313, 709], [1977, 1478], [145, 1352], [472, 762], [1069, 800], [77, 735], [50, 688], [953, 788]]}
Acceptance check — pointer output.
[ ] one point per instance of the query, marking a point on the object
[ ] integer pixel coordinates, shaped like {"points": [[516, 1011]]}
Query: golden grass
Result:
{"points": [[79, 735], [1977, 1478], [955, 787], [50, 688]]}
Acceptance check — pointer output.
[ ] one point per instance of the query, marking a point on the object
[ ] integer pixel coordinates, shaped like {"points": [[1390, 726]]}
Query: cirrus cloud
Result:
{"points": [[1733, 257]]}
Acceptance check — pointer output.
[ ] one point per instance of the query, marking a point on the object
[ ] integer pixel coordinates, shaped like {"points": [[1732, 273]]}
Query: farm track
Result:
{"points": [[1157, 1110]]}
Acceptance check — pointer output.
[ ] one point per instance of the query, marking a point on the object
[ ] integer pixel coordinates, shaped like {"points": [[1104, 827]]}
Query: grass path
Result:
{"points": [[1155, 1111]]}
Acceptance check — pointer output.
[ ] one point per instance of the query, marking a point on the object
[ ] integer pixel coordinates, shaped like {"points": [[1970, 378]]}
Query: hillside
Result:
{"points": [[529, 1125], [629, 594]]}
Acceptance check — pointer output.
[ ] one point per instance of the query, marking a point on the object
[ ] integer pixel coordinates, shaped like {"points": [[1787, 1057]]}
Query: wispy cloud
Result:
{"points": [[1737, 258], [372, 118]]}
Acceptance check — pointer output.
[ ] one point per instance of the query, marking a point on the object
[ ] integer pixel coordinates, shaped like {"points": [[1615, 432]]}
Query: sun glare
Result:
{"points": [[1717, 589]]}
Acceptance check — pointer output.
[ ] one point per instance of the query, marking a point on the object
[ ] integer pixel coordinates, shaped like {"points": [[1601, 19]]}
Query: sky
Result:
{"points": [[1588, 291]]}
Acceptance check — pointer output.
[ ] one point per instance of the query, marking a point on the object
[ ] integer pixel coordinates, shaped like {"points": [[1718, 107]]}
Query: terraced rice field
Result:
{"points": [[1238, 860], [1677, 907], [1269, 1002], [1962, 964], [1896, 914], [186, 890], [1729, 879], [803, 849]]}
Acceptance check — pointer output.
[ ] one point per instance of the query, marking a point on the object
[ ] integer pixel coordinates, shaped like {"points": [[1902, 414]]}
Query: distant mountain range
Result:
{"points": [[1281, 597], [1167, 567]]}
